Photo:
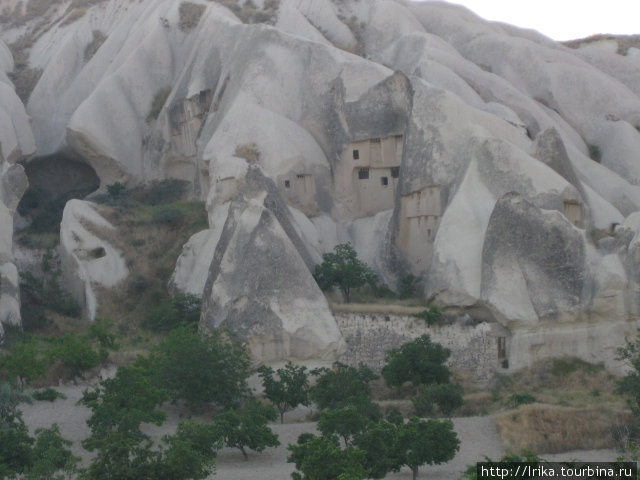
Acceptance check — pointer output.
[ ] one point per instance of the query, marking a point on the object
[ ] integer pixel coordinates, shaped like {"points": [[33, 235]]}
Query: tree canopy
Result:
{"points": [[420, 362], [289, 390], [343, 269]]}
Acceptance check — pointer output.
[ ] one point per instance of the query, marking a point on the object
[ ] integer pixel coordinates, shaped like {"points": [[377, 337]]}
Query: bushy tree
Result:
{"points": [[23, 362], [426, 442], [51, 458], [76, 353], [289, 390], [380, 444], [345, 422], [447, 396], [120, 406], [247, 427], [420, 362], [629, 385], [201, 368], [526, 456], [45, 457], [321, 458], [342, 386], [343, 269], [181, 309]]}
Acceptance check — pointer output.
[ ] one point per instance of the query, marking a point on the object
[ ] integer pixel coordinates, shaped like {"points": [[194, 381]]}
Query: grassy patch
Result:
{"points": [[553, 429], [190, 14]]}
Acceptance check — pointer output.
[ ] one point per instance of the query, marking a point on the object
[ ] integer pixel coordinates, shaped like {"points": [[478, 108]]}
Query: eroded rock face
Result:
{"points": [[16, 142], [400, 127], [260, 286], [533, 263], [87, 259]]}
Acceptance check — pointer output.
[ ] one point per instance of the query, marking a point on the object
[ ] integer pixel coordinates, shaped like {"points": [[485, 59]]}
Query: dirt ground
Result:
{"points": [[477, 434]]}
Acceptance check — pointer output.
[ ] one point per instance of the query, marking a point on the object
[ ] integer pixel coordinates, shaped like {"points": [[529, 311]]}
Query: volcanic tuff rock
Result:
{"points": [[487, 160], [16, 142]]}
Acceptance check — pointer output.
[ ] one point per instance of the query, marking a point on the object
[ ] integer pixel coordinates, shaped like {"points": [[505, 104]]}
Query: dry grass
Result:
{"points": [[375, 308], [552, 429], [190, 14], [248, 151]]}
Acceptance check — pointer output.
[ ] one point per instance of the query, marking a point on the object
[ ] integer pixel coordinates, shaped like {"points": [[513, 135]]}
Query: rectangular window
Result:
{"points": [[375, 140], [356, 154], [502, 348], [384, 181], [363, 173], [287, 184], [300, 176], [395, 172]]}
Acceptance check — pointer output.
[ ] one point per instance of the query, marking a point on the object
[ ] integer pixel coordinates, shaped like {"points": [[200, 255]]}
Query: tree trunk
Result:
{"points": [[414, 470], [281, 417], [244, 453]]}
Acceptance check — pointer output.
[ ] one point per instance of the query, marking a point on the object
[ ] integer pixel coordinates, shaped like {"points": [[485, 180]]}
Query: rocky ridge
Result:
{"points": [[496, 165]]}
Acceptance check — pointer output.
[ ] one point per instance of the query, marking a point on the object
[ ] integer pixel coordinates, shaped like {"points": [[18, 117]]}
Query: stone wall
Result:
{"points": [[474, 348]]}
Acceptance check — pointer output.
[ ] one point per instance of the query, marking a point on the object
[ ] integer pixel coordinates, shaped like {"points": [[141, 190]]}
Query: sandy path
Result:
{"points": [[477, 434]]}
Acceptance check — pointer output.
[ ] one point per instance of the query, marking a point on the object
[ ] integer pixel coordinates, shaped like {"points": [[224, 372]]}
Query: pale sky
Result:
{"points": [[562, 19]]}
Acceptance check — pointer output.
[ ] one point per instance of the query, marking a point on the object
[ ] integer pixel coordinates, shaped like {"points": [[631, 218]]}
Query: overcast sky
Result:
{"points": [[562, 19]]}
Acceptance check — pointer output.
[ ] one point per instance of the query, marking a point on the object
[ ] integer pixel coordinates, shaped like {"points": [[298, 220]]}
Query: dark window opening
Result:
{"points": [[287, 184], [97, 253], [300, 176], [363, 173], [375, 140], [384, 181], [395, 172], [356, 154], [502, 348]]}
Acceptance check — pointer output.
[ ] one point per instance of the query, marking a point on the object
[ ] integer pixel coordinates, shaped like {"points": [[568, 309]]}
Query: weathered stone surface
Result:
{"points": [[533, 264], [370, 336], [260, 286], [88, 259]]}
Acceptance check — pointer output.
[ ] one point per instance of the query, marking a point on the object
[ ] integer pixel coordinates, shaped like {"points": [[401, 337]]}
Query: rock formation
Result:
{"points": [[487, 160]]}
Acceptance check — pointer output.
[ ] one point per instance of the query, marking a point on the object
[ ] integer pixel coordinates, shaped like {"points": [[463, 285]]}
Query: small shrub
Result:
{"points": [[168, 216], [33, 317], [182, 309], [115, 190], [595, 153], [447, 396], [562, 367], [407, 286], [431, 315], [76, 354], [159, 99], [190, 14], [162, 192], [517, 399], [47, 395]]}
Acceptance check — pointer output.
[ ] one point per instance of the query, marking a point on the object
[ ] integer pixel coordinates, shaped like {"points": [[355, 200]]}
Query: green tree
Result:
{"points": [[344, 270], [123, 451], [321, 458], [201, 368], [420, 362], [247, 427], [629, 385], [289, 390], [24, 362], [345, 422], [51, 458], [526, 456], [45, 457], [342, 386], [76, 353], [426, 442], [181, 309], [380, 442], [447, 396]]}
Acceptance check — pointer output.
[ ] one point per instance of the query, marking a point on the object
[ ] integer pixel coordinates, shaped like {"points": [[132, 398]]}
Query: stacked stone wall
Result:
{"points": [[369, 336]]}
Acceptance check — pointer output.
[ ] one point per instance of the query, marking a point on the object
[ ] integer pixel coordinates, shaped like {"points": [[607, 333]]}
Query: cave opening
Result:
{"points": [[53, 181]]}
